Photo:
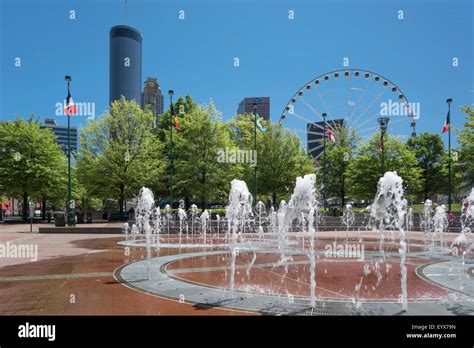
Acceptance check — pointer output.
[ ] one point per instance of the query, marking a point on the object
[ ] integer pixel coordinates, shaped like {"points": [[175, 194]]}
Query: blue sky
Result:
{"points": [[277, 55]]}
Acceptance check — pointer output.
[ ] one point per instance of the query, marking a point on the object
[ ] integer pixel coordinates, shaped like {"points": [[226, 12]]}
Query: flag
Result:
{"points": [[381, 145], [447, 124], [69, 108], [176, 124], [258, 123], [330, 135]]}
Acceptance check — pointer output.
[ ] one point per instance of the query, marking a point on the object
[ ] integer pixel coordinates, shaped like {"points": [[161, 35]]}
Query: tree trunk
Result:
{"points": [[121, 199], [25, 207], [43, 208], [343, 192], [186, 203], [203, 198], [343, 186], [274, 199]]}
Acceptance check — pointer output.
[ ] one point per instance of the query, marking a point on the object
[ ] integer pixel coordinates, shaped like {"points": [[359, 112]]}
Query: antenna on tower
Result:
{"points": [[126, 11]]}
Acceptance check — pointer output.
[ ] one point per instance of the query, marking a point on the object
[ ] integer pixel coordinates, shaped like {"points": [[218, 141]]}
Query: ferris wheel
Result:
{"points": [[348, 98]]}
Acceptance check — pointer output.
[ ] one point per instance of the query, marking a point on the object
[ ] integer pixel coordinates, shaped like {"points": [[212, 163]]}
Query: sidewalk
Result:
{"points": [[25, 227]]}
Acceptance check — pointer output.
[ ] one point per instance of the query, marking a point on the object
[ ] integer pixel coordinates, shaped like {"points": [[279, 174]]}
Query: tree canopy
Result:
{"points": [[466, 143], [120, 154], [31, 162], [432, 159], [364, 169]]}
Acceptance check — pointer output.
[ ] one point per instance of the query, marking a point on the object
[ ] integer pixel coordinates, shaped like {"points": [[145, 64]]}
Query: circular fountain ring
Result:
{"points": [[163, 284]]}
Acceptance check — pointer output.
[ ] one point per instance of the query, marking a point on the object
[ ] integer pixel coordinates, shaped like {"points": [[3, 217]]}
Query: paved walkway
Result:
{"points": [[73, 274]]}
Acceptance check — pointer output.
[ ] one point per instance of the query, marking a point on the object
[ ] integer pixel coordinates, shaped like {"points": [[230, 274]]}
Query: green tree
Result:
{"points": [[31, 163], [466, 143], [197, 171], [280, 157], [364, 169], [120, 154], [338, 156], [242, 135], [280, 160], [432, 160], [182, 107]]}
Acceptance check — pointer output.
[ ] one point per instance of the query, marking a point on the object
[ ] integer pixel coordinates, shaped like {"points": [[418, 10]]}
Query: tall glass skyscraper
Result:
{"points": [[125, 63]]}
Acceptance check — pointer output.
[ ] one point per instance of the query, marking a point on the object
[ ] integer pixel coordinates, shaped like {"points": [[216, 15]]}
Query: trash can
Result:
{"points": [[89, 217], [80, 217], [59, 219]]}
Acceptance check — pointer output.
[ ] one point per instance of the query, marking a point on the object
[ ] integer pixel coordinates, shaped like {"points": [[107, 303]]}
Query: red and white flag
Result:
{"points": [[447, 124], [176, 124], [330, 135], [69, 108]]}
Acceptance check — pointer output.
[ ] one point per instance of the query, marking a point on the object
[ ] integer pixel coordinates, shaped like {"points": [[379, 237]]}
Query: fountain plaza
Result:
{"points": [[253, 260]]}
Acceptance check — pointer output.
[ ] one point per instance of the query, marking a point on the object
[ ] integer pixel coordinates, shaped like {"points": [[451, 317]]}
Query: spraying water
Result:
{"points": [[182, 219], [388, 211], [282, 226], [204, 221], [126, 230], [194, 212], [348, 218], [157, 226], [409, 220], [146, 201], [240, 207], [461, 245], [440, 223], [426, 219], [303, 201], [260, 215]]}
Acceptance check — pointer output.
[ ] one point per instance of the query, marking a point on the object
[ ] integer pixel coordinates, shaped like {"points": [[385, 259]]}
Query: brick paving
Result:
{"points": [[73, 275]]}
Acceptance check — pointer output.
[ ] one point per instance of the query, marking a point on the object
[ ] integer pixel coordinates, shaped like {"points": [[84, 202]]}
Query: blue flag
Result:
{"points": [[259, 123]]}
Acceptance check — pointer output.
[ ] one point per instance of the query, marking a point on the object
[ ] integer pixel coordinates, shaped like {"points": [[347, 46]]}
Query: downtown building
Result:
{"points": [[126, 71], [246, 106], [315, 136], [153, 97], [125, 74], [61, 134]]}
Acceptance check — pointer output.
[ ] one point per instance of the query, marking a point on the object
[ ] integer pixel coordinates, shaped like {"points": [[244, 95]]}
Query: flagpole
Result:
{"points": [[324, 161], [449, 101], [383, 123], [171, 93], [382, 146], [255, 149], [70, 214]]}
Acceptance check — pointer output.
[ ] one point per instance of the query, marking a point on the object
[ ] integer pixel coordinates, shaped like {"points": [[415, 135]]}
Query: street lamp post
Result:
{"points": [[449, 101], [255, 149], [383, 123], [171, 93], [324, 115], [70, 202]]}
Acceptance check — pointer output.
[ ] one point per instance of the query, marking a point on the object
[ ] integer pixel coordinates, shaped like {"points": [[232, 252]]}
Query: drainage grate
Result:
{"points": [[321, 309]]}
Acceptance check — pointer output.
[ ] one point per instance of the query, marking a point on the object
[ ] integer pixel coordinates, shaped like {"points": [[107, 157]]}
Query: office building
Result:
{"points": [[246, 106], [315, 134], [61, 134], [152, 96], [125, 75]]}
